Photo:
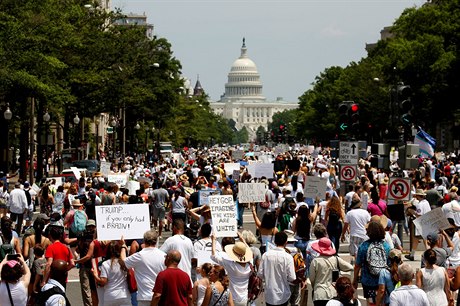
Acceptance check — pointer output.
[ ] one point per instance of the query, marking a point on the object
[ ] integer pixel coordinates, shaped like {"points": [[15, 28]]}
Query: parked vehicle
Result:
{"points": [[91, 165]]}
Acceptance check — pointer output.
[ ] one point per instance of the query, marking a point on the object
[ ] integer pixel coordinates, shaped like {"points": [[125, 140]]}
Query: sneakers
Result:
{"points": [[410, 257]]}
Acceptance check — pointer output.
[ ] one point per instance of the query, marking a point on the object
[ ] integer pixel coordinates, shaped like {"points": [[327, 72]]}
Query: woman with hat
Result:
{"points": [[202, 214], [321, 271], [237, 265]]}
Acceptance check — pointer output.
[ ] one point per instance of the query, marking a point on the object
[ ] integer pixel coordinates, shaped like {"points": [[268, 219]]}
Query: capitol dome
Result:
{"points": [[243, 79]]}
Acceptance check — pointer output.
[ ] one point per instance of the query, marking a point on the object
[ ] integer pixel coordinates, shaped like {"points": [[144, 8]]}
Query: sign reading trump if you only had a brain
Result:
{"points": [[223, 212], [130, 221]]}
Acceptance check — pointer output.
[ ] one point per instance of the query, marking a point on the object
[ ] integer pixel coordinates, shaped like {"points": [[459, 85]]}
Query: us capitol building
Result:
{"points": [[243, 100]]}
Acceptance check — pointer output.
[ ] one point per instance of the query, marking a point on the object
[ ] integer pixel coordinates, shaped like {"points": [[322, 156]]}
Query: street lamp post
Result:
{"points": [[97, 122], [76, 121], [46, 119], [7, 115], [113, 124]]}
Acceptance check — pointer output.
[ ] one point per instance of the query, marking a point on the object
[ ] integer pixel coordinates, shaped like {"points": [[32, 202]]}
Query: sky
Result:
{"points": [[291, 41]]}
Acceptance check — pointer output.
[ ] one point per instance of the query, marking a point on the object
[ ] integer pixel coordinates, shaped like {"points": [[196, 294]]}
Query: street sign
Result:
{"points": [[399, 189], [348, 153], [347, 173]]}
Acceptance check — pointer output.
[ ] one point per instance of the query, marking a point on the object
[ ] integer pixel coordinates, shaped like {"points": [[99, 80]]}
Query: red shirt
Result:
{"points": [[175, 286], [57, 251]]}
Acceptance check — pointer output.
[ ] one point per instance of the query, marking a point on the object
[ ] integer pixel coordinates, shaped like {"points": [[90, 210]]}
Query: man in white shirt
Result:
{"points": [[182, 244], [277, 269], [147, 263], [408, 294], [17, 205], [422, 206], [356, 219], [348, 197]]}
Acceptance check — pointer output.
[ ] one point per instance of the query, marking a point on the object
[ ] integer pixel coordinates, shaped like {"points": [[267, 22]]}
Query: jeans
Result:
{"points": [[18, 218], [240, 212], [301, 244]]}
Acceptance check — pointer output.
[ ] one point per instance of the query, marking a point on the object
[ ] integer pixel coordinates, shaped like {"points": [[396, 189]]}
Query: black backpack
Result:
{"points": [[43, 296]]}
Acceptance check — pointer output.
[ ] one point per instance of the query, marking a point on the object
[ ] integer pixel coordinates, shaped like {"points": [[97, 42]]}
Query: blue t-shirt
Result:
{"points": [[367, 279], [385, 279]]}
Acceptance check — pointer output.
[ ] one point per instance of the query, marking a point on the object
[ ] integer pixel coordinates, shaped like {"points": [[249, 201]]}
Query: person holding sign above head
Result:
{"points": [[201, 214], [267, 227]]}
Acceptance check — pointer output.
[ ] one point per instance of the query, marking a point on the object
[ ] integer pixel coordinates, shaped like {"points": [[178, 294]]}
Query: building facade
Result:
{"points": [[243, 101]]}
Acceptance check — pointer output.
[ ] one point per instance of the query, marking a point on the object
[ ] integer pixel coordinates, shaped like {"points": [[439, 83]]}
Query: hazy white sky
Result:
{"points": [[291, 41]]}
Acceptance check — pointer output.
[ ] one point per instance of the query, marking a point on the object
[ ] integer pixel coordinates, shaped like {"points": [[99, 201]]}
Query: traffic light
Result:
{"points": [[354, 118], [405, 103], [343, 115]]}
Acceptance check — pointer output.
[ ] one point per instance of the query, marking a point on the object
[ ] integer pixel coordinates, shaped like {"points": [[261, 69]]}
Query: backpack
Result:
{"points": [[79, 222], [6, 248], [28, 197], [43, 296], [300, 268], [255, 285], [206, 246], [376, 257]]}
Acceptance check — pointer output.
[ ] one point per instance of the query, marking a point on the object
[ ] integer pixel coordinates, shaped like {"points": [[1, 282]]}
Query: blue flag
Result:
{"points": [[426, 143]]}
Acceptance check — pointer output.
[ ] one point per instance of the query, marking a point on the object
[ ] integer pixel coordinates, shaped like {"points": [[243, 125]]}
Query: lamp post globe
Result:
{"points": [[8, 114], [76, 119]]}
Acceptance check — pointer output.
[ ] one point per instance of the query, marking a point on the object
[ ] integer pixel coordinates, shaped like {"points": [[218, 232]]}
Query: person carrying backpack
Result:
{"points": [[75, 221], [53, 293], [371, 258]]}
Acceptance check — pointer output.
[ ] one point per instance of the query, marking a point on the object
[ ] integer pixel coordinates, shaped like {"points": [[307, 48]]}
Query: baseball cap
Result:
{"points": [[26, 184], [432, 237]]}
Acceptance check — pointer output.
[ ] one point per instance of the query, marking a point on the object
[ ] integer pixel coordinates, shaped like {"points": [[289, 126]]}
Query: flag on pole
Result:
{"points": [[426, 143]]}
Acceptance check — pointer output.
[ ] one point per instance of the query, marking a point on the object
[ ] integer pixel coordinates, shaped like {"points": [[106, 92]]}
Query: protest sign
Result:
{"points": [[132, 186], [293, 164], [119, 179], [230, 167], [251, 192], [237, 154], [204, 195], [105, 168], [315, 187], [236, 175], [223, 212], [257, 170], [279, 165], [130, 221], [432, 221]]}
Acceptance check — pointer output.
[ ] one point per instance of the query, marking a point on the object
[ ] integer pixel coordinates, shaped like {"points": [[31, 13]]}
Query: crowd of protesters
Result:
{"points": [[63, 235]]}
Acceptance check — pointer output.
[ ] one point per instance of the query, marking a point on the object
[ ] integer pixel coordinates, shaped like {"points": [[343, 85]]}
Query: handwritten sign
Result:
{"points": [[315, 187], [251, 192], [432, 221], [223, 212], [130, 221], [105, 168], [230, 167], [260, 170], [119, 179], [204, 196], [236, 175]]}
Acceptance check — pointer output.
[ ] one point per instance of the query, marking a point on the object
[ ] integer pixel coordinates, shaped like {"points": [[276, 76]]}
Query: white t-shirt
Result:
{"points": [[357, 219], [18, 293], [184, 245], [238, 276], [117, 286], [338, 303], [147, 264]]}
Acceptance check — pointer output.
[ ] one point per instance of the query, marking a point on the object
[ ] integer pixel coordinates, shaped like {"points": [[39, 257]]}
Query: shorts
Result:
{"points": [[158, 213], [370, 292], [355, 242]]}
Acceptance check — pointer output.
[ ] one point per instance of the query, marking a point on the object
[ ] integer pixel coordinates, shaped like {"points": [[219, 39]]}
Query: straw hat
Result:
{"points": [[76, 203], [420, 192], [239, 252], [183, 177], [383, 220], [323, 247]]}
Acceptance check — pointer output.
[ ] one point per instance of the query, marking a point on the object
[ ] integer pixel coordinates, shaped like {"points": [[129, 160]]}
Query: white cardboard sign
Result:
{"points": [[132, 187], [119, 179], [130, 221], [258, 170], [432, 221], [230, 167], [223, 212], [204, 195], [251, 192], [315, 187], [105, 168]]}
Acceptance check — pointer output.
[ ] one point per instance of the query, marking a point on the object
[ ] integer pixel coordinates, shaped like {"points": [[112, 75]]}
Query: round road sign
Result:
{"points": [[347, 173], [399, 189]]}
